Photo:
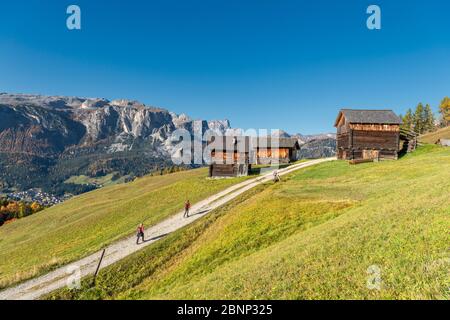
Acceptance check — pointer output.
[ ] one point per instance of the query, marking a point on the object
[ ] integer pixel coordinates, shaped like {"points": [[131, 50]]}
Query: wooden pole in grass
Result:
{"points": [[98, 267]]}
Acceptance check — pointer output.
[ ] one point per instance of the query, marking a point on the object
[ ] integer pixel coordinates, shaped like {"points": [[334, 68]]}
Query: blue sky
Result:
{"points": [[262, 64]]}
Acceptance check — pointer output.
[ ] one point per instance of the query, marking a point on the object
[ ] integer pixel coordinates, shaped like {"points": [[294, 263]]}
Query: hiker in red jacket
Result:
{"points": [[140, 233], [187, 206]]}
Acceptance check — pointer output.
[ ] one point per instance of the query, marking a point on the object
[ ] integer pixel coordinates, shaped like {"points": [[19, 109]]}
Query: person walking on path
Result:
{"points": [[140, 233], [187, 207]]}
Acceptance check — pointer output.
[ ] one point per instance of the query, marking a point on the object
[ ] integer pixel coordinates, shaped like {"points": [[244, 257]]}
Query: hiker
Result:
{"points": [[140, 233], [187, 206], [276, 176]]}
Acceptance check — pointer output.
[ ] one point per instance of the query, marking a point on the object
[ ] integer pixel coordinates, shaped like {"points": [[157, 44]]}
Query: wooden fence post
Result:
{"points": [[98, 267]]}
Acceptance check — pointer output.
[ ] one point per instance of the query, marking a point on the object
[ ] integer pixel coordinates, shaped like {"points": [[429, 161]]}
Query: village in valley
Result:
{"points": [[38, 196]]}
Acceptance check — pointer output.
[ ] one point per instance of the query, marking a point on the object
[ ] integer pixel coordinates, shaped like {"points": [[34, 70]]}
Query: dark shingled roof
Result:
{"points": [[279, 142], [369, 116], [230, 143]]}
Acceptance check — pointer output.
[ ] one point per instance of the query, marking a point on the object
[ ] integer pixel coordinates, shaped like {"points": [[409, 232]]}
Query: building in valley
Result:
{"points": [[368, 134]]}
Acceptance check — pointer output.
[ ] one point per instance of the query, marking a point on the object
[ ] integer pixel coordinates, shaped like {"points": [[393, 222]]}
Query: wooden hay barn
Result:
{"points": [[229, 156], [233, 156], [367, 134], [275, 149]]}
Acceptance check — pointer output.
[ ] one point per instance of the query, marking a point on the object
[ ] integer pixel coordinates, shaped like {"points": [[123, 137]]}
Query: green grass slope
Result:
{"points": [[317, 235], [86, 223], [433, 137], [103, 181]]}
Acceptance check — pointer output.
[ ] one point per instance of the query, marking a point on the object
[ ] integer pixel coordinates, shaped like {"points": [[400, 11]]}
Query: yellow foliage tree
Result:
{"points": [[13, 207], [444, 109], [35, 207]]}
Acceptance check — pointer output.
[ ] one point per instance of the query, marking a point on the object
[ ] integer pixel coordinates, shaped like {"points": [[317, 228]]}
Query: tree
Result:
{"points": [[35, 207], [408, 120], [429, 119], [13, 209], [419, 118], [24, 210], [444, 110]]}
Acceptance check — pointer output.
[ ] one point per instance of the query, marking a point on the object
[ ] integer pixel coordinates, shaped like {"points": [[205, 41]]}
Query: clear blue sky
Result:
{"points": [[262, 64]]}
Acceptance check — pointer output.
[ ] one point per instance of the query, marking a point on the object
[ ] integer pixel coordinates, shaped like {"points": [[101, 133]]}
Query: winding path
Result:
{"points": [[37, 287]]}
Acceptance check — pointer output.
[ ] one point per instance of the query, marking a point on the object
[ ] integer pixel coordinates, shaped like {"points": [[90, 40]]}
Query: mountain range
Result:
{"points": [[45, 140]]}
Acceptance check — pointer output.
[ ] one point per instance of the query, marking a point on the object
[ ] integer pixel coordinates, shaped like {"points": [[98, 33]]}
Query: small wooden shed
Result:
{"points": [[367, 134]]}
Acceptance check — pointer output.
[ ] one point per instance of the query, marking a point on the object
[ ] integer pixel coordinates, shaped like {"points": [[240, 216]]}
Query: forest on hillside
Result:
{"points": [[422, 119]]}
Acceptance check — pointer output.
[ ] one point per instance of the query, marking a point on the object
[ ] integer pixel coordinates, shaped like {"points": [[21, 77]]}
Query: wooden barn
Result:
{"points": [[229, 156], [275, 149], [233, 156], [367, 134]]}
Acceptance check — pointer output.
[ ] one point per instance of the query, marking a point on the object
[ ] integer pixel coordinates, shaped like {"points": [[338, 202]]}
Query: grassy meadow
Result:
{"points": [[333, 231], [104, 181], [86, 223], [433, 137]]}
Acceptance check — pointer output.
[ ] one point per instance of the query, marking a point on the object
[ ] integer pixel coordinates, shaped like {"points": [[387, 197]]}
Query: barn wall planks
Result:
{"points": [[375, 140], [368, 141], [228, 170]]}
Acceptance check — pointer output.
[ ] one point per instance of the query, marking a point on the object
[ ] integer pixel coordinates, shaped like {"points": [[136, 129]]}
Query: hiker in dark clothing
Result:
{"points": [[140, 233], [187, 206]]}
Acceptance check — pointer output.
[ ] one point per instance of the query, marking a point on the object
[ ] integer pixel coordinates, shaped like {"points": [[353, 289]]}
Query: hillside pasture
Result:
{"points": [[333, 231], [87, 223]]}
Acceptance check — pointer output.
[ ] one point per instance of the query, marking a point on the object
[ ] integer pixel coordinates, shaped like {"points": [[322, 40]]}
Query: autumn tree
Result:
{"points": [[35, 207], [24, 210], [13, 209], [444, 110]]}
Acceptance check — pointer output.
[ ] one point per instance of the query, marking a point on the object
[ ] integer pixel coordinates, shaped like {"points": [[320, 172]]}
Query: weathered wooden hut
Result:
{"points": [[367, 134], [229, 156], [275, 149], [233, 156]]}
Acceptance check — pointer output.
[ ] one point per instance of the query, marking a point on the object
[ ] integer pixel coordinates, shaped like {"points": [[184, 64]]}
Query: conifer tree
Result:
{"points": [[429, 119], [408, 120], [419, 119]]}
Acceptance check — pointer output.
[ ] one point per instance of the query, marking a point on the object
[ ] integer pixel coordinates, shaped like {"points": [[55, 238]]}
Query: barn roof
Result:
{"points": [[279, 142], [230, 143], [369, 116]]}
